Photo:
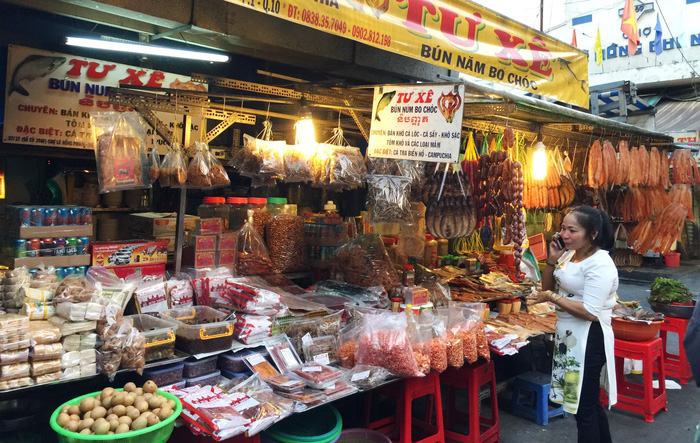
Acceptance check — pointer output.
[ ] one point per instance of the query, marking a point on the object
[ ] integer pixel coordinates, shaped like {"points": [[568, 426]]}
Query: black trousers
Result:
{"points": [[591, 421]]}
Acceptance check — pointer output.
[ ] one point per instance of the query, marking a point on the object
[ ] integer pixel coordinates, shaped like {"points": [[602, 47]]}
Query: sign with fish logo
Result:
{"points": [[49, 97], [422, 122], [455, 34]]}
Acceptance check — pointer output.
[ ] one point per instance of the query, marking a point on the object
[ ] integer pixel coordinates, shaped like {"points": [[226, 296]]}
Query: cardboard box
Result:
{"points": [[227, 257], [149, 270], [204, 259], [202, 243], [227, 242], [169, 240], [55, 261], [208, 226], [137, 252], [159, 224]]}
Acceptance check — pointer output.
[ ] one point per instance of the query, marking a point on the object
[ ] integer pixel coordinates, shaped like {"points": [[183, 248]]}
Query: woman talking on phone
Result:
{"points": [[581, 279]]}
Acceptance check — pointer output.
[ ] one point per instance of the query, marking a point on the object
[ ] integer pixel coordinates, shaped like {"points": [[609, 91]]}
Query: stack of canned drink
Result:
{"points": [[48, 215], [51, 247]]}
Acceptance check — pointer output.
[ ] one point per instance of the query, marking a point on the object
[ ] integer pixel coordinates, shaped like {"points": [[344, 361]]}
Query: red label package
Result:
{"points": [[110, 254]]}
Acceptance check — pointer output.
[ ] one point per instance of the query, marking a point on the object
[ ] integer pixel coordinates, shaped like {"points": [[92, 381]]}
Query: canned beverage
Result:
{"points": [[58, 272], [81, 270], [36, 216], [33, 247], [25, 216], [70, 270], [59, 247], [49, 218], [73, 216], [85, 216], [62, 216], [46, 248], [20, 248], [72, 246], [84, 248]]}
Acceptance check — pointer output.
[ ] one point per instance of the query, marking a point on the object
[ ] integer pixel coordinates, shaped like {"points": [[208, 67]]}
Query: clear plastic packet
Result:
{"points": [[253, 257], [16, 383], [454, 345], [151, 297], [439, 294], [323, 350], [33, 295], [252, 328], [338, 166], [296, 330], [17, 370], [366, 377], [272, 156], [12, 357], [68, 327], [79, 342], [273, 406], [46, 352], [253, 300], [384, 342], [248, 160], [339, 389], [174, 168], [286, 244], [80, 311], [387, 199], [420, 331], [114, 290], [307, 397], [120, 153], [45, 367], [153, 165], [214, 410], [48, 378], [180, 293], [75, 289], [282, 352], [416, 172], [298, 163], [372, 296], [164, 174], [347, 344], [198, 173], [316, 375], [134, 355], [382, 166], [365, 262], [38, 311], [219, 176], [438, 341]]}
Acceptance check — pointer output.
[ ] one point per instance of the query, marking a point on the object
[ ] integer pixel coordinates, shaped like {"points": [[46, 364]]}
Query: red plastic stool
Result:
{"points": [[400, 427], [676, 365], [642, 399], [472, 377]]}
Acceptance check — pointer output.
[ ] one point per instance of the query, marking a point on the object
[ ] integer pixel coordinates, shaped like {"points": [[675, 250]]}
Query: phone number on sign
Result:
{"points": [[371, 36], [323, 21]]}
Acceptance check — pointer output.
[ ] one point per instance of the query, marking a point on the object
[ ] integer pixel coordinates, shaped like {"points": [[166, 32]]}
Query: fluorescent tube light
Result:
{"points": [[139, 48]]}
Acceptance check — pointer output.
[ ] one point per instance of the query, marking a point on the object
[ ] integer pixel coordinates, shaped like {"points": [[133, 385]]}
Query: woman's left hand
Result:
{"points": [[538, 297]]}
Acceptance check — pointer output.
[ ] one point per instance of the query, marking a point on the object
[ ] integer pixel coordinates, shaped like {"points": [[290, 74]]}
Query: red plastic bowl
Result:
{"points": [[635, 330]]}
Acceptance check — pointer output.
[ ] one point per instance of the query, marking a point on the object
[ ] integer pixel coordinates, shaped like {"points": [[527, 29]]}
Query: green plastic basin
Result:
{"points": [[152, 434]]}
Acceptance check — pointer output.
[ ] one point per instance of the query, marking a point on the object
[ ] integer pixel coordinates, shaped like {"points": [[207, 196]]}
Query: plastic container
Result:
{"points": [[257, 203], [215, 207], [164, 375], [204, 380], [233, 375], [672, 259], [275, 205], [359, 435], [158, 433], [200, 329], [320, 425], [159, 335], [430, 251], [195, 368], [235, 362], [238, 212]]}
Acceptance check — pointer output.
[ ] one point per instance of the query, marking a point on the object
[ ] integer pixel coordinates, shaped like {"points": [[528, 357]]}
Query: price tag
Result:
{"points": [[312, 368], [322, 359], [307, 340], [288, 357], [255, 359], [360, 376], [289, 383]]}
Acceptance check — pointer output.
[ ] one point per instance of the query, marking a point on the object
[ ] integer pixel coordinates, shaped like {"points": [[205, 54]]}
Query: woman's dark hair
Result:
{"points": [[593, 220]]}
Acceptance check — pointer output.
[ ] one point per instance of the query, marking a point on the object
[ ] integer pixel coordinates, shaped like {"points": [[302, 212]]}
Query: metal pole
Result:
{"points": [[180, 232], [541, 15]]}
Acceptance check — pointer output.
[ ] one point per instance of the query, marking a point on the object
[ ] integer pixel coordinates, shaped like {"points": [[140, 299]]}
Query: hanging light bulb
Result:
{"points": [[305, 134], [539, 162]]}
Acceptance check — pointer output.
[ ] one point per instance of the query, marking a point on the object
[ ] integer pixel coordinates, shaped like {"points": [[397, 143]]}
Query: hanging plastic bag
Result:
{"points": [[120, 153], [416, 172], [217, 173], [198, 173], [382, 166], [338, 166], [253, 258], [174, 170], [365, 262], [384, 342], [153, 165], [387, 199]]}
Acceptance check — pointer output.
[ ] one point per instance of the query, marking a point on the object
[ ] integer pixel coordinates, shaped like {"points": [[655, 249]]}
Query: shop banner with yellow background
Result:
{"points": [[453, 34]]}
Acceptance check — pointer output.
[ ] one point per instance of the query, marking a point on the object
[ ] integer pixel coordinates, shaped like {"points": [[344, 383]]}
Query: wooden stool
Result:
{"points": [[676, 365], [400, 427], [471, 377], [642, 399]]}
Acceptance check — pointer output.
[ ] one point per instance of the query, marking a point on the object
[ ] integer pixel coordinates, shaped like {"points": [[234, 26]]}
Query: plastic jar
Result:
{"points": [[260, 215], [214, 207], [443, 246], [430, 255], [275, 205], [238, 212], [391, 248]]}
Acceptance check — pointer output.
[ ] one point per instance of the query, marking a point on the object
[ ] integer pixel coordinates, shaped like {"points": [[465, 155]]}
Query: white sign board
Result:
{"points": [[50, 95], [422, 123]]}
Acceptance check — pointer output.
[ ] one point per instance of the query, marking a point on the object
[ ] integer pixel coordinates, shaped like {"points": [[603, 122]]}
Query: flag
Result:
{"points": [[598, 48], [629, 27], [574, 43], [658, 45]]}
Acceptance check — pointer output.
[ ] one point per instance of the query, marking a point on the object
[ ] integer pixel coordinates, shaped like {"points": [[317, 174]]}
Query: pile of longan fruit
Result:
{"points": [[117, 412]]}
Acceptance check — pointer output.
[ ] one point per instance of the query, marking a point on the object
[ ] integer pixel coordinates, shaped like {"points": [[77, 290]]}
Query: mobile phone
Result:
{"points": [[558, 241]]}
